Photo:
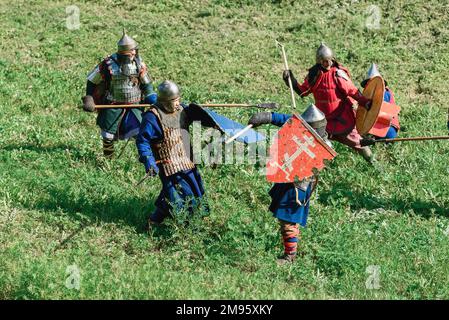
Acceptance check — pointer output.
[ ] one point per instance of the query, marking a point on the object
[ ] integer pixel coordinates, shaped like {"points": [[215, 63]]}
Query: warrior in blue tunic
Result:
{"points": [[121, 78], [290, 201], [164, 148]]}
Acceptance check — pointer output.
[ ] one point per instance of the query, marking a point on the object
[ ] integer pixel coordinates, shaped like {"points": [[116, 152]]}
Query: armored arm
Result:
{"points": [[346, 86], [274, 118], [278, 119], [146, 85], [94, 78], [150, 130]]}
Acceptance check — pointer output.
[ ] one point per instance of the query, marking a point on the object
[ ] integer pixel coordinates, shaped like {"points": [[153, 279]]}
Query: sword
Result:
{"points": [[147, 175], [123, 149], [369, 142]]}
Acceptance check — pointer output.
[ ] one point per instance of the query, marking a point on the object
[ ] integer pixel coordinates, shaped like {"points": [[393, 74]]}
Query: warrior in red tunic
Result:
{"points": [[334, 94]]}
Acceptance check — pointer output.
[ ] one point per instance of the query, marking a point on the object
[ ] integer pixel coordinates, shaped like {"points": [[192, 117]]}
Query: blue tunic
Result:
{"points": [[180, 191], [392, 131], [283, 195]]}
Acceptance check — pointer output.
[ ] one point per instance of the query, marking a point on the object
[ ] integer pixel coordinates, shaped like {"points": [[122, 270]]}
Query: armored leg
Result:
{"points": [[352, 140], [290, 237], [108, 148], [367, 154], [156, 218]]}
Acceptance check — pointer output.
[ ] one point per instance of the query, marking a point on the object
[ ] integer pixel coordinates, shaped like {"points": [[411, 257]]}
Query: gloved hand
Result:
{"points": [[88, 104], [288, 74], [150, 165], [260, 118], [368, 105], [151, 98], [368, 141]]}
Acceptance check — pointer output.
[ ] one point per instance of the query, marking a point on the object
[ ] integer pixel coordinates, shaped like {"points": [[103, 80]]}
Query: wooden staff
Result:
{"points": [[291, 91], [284, 57]]}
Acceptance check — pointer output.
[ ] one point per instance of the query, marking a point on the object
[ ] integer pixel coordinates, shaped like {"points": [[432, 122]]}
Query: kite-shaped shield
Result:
{"points": [[387, 112], [296, 151], [226, 125]]}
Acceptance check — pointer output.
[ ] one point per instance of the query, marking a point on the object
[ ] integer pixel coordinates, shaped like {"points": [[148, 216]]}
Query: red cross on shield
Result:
{"points": [[296, 150]]}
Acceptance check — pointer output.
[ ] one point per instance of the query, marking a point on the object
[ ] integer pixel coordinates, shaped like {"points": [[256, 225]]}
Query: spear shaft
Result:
{"points": [[270, 105], [367, 142]]}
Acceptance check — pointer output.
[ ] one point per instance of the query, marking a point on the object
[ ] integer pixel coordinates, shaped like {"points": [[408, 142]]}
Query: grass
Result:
{"points": [[61, 204]]}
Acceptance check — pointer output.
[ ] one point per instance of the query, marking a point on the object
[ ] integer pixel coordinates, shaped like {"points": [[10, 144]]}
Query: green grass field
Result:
{"points": [[61, 204]]}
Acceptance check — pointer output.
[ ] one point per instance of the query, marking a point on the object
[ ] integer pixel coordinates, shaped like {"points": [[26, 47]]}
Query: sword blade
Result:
{"points": [[238, 134]]}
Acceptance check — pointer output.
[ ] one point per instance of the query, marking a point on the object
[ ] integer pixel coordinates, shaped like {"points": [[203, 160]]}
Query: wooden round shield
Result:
{"points": [[365, 119]]}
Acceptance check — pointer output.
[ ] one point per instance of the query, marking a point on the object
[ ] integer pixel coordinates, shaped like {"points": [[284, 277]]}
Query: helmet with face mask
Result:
{"points": [[168, 94]]}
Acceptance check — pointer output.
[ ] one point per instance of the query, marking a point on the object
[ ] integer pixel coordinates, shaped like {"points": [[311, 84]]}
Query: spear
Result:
{"points": [[122, 106], [269, 105], [371, 141]]}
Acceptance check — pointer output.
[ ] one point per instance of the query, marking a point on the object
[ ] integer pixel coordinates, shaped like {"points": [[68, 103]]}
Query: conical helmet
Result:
{"points": [[372, 72], [316, 119], [126, 43], [324, 53]]}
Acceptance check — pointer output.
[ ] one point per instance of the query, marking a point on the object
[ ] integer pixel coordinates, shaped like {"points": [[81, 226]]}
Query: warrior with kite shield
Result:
{"points": [[120, 79], [334, 94], [298, 151]]}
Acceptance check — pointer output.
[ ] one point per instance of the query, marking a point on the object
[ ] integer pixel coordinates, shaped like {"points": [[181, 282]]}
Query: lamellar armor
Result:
{"points": [[125, 79], [173, 152]]}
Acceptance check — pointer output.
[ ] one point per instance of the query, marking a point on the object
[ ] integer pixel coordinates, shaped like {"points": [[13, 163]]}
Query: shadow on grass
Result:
{"points": [[357, 200], [88, 209], [75, 153]]}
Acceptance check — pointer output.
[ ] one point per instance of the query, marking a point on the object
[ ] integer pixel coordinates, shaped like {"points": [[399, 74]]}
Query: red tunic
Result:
{"points": [[334, 92]]}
